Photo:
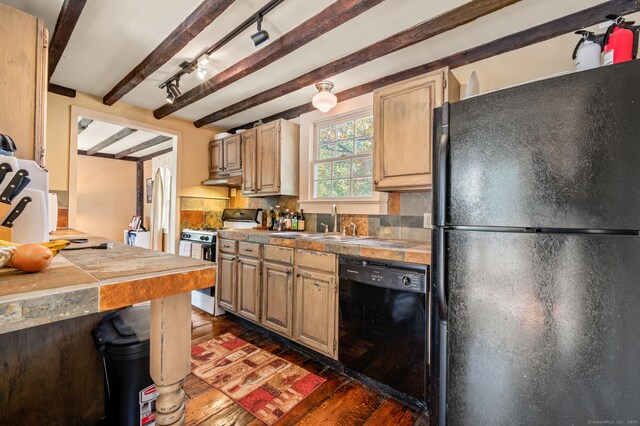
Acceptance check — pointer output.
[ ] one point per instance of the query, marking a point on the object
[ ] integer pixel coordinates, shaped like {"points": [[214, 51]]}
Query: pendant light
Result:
{"points": [[324, 100]]}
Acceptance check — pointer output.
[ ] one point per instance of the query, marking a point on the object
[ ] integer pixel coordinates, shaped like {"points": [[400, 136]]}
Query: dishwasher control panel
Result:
{"points": [[390, 275]]}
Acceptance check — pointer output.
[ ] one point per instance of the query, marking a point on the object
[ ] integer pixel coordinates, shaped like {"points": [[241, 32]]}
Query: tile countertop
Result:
{"points": [[83, 282], [376, 248]]}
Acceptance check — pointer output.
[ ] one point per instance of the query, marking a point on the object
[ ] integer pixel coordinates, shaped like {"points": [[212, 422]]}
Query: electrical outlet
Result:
{"points": [[427, 220]]}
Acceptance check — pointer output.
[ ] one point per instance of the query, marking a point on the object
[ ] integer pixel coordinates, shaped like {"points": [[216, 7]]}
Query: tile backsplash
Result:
{"points": [[404, 221]]}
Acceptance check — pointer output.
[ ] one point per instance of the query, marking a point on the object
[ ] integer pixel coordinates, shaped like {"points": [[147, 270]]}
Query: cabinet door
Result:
{"points": [[226, 290], [277, 297], [403, 132], [249, 146], [268, 137], [249, 288], [23, 43], [232, 154], [216, 165], [315, 311]]}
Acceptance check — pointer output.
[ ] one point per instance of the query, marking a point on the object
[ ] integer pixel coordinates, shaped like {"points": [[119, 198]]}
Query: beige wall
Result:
{"points": [[193, 167], [106, 196]]}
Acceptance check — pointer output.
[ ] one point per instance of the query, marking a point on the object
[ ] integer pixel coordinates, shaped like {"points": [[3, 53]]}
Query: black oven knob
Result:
{"points": [[406, 280], [203, 238], [187, 235]]}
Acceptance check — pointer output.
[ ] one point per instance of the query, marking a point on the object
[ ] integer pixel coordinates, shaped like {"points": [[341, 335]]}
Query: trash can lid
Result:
{"points": [[125, 332]]}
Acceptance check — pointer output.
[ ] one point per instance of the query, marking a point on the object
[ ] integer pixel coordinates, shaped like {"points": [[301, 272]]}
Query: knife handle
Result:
{"points": [[17, 211]]}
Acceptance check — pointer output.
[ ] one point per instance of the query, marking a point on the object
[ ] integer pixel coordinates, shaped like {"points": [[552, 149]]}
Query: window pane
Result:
{"points": [[341, 188], [345, 130], [364, 126], [362, 187], [325, 151], [344, 147], [361, 167], [322, 188], [327, 134], [364, 145], [342, 169], [322, 171]]}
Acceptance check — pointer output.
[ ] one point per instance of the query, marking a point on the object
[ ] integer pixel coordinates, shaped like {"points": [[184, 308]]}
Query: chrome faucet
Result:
{"points": [[334, 213], [326, 227], [353, 228]]}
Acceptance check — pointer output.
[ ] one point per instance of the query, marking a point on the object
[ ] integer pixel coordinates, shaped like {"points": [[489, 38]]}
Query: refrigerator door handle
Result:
{"points": [[441, 274], [441, 155]]}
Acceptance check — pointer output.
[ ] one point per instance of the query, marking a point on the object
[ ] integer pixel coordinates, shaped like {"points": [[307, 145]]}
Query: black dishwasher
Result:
{"points": [[384, 323]]}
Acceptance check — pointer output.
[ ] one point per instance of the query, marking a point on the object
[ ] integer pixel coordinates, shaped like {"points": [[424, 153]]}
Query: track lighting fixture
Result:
{"points": [[202, 67], [173, 90], [261, 36], [324, 100]]}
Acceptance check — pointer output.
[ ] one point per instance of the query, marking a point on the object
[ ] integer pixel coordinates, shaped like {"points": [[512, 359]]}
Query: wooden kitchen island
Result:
{"points": [[83, 283]]}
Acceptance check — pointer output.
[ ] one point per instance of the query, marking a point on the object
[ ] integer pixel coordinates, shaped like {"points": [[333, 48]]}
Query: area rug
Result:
{"points": [[265, 385]]}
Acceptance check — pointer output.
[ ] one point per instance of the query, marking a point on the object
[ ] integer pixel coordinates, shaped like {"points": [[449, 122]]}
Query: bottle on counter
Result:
{"points": [[276, 221], [287, 220], [301, 220], [294, 221], [270, 217]]}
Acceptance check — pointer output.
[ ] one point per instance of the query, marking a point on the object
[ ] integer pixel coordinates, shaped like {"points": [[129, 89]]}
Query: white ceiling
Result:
{"points": [[113, 36], [97, 131]]}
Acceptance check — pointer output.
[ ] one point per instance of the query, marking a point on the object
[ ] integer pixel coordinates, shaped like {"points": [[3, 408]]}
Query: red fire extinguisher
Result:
{"points": [[620, 41]]}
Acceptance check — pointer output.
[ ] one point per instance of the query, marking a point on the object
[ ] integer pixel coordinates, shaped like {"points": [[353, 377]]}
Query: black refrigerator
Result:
{"points": [[536, 253]]}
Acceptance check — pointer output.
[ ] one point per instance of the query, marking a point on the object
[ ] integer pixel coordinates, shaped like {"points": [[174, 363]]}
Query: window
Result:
{"points": [[343, 158]]}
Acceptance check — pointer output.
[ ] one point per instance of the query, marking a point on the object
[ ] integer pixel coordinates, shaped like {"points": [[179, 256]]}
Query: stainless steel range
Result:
{"points": [[200, 243]]}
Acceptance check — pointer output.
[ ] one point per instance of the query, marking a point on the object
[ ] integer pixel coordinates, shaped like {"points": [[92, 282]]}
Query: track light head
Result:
{"points": [[173, 90], [261, 36]]}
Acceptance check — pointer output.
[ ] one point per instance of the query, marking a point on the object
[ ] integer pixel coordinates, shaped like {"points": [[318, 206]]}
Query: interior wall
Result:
{"points": [[106, 196], [193, 167]]}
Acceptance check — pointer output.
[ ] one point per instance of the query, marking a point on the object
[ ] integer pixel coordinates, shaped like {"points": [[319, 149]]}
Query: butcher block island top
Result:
{"points": [[82, 282]]}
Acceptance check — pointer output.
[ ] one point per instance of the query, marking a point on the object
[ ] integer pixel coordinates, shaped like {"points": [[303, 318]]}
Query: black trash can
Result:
{"points": [[123, 341]]}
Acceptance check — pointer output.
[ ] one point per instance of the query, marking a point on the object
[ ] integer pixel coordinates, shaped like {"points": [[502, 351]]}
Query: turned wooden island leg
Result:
{"points": [[170, 355]]}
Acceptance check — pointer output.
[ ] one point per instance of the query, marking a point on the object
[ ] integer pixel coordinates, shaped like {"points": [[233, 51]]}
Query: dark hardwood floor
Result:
{"points": [[340, 400]]}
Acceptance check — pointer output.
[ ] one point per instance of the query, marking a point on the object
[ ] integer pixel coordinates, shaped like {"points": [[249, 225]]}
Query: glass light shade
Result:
{"points": [[324, 101]]}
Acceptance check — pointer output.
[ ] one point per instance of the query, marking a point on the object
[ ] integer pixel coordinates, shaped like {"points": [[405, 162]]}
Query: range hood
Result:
{"points": [[230, 182]]}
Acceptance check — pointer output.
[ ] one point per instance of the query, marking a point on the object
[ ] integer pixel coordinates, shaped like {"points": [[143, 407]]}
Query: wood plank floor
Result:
{"points": [[340, 400]]}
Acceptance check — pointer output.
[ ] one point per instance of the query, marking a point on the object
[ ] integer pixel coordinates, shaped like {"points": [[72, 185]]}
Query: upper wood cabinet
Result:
{"points": [[249, 152], [23, 43], [225, 157], [216, 164], [232, 154], [403, 130], [275, 168]]}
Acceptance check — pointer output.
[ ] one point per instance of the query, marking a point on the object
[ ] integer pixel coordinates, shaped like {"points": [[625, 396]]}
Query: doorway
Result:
{"points": [[112, 164]]}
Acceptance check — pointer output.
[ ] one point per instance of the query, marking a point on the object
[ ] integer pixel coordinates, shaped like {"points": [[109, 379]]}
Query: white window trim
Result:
{"points": [[376, 204]]}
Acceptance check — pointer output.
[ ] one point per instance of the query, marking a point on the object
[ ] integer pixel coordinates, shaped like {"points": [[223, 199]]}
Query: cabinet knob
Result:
{"points": [[298, 275], [375, 182]]}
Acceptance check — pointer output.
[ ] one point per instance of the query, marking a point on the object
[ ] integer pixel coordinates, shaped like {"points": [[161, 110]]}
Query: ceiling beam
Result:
{"points": [[144, 145], [61, 90], [528, 37], [67, 20], [447, 21], [154, 154], [83, 124], [110, 140], [109, 156], [331, 17], [198, 20]]}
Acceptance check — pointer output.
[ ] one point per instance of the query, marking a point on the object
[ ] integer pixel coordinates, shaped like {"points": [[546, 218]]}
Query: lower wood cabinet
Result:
{"points": [[226, 290], [249, 288], [277, 297], [315, 311]]}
